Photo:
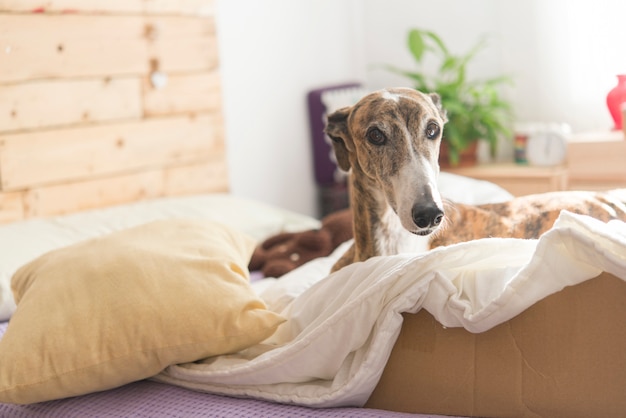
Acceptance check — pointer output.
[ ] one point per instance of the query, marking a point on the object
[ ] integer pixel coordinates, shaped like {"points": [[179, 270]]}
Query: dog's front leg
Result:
{"points": [[346, 259]]}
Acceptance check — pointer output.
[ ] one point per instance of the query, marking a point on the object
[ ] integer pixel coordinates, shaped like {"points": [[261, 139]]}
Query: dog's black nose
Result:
{"points": [[428, 215]]}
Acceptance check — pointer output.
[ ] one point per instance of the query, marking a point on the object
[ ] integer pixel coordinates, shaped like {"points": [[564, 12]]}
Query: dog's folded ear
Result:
{"points": [[337, 130], [437, 102]]}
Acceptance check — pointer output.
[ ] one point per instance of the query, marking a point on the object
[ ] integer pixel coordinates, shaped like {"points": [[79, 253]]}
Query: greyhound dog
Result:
{"points": [[389, 142]]}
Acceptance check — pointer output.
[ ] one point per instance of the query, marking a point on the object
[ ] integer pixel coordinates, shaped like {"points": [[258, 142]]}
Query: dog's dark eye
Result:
{"points": [[432, 130], [376, 137]]}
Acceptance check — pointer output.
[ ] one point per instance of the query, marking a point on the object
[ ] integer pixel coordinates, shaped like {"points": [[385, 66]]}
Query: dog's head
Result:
{"points": [[392, 137]]}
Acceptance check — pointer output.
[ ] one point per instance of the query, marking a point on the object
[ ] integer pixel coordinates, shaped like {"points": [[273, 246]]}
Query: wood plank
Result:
{"points": [[519, 180], [89, 194], [205, 177], [34, 158], [523, 187], [66, 6], [507, 170], [40, 46], [588, 162], [183, 93], [187, 7], [28, 105], [60, 46], [11, 207], [180, 44], [193, 7], [590, 185]]}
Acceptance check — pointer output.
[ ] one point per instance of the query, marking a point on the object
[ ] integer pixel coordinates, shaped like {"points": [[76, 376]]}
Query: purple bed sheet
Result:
{"points": [[153, 400]]}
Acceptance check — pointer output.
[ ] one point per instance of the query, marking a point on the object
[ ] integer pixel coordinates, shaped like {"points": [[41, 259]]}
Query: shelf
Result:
{"points": [[518, 179], [597, 161]]}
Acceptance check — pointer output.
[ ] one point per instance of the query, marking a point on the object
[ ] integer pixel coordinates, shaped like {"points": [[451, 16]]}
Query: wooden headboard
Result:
{"points": [[105, 102]]}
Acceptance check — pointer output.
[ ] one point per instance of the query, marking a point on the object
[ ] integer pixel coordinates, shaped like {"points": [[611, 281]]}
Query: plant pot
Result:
{"points": [[468, 157]]}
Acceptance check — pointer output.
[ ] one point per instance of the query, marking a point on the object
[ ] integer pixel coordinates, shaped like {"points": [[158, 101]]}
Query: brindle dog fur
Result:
{"points": [[526, 216], [389, 143]]}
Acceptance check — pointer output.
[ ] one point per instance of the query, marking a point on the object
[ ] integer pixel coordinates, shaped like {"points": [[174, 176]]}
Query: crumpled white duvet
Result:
{"points": [[341, 327]]}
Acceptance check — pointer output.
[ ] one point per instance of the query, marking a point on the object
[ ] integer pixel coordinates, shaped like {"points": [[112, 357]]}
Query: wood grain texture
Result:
{"points": [[35, 158], [519, 180], [44, 104], [208, 176], [69, 46], [183, 93], [192, 7], [11, 207], [590, 167], [181, 43], [204, 177], [72, 6], [81, 124]]}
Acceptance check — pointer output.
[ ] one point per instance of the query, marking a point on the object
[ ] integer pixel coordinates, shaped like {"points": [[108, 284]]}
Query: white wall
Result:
{"points": [[459, 23], [563, 54], [272, 53]]}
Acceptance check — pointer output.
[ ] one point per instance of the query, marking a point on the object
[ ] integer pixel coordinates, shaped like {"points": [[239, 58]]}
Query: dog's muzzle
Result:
{"points": [[427, 217]]}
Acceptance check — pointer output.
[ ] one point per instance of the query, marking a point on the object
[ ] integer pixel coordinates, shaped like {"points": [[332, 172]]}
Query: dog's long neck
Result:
{"points": [[377, 229]]}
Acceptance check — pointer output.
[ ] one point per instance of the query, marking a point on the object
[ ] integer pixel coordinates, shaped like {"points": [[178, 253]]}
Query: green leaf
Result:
{"points": [[437, 40], [498, 80], [416, 44], [449, 64]]}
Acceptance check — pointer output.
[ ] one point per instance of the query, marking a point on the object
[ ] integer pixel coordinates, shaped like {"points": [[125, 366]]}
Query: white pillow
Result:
{"points": [[461, 189]]}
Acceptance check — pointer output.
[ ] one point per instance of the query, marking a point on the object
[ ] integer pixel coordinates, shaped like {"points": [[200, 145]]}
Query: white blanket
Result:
{"points": [[341, 328]]}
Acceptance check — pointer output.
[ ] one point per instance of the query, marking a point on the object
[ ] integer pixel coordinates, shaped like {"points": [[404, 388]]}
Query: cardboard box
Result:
{"points": [[563, 357]]}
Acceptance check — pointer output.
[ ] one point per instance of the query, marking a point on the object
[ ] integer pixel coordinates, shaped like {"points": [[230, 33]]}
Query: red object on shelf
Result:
{"points": [[615, 99]]}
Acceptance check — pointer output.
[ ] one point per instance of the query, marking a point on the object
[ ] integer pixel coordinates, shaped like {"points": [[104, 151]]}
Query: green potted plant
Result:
{"points": [[476, 109]]}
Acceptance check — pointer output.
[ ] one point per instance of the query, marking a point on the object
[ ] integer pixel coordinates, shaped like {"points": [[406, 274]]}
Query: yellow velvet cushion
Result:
{"points": [[116, 309]]}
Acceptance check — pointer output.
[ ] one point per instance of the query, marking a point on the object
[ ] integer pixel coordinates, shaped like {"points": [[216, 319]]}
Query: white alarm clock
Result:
{"points": [[547, 147]]}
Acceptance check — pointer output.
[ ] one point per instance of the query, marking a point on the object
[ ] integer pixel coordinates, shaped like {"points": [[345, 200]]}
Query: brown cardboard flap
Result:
{"points": [[563, 357]]}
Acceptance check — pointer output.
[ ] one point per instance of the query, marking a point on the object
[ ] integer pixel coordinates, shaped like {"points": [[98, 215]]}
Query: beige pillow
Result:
{"points": [[120, 308]]}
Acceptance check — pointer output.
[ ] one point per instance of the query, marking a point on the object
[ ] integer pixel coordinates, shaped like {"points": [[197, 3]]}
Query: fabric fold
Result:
{"points": [[341, 327]]}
